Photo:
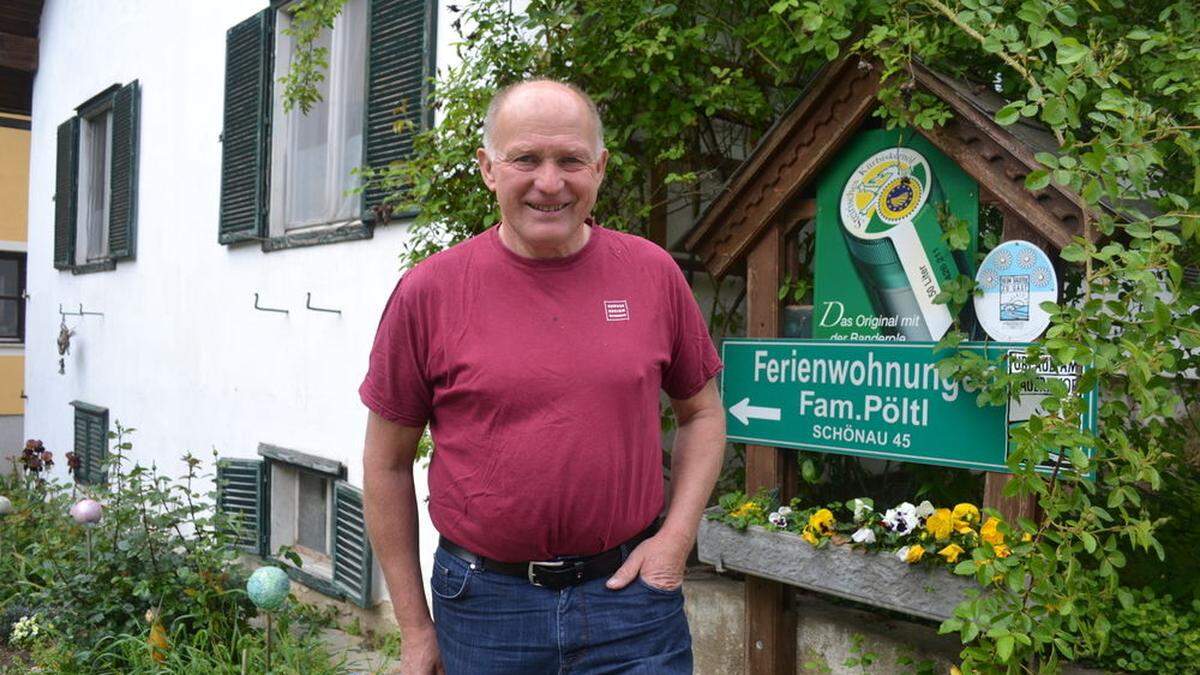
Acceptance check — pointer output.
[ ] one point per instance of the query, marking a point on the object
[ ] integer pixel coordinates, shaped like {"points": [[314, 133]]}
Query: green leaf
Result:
{"points": [[1073, 253], [808, 470], [1010, 113], [1004, 647], [1066, 15], [1048, 159], [1089, 542], [1038, 179], [1070, 51], [965, 568]]}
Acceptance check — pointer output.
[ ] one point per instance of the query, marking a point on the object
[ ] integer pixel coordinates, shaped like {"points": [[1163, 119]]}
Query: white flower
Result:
{"points": [[24, 631], [1003, 259], [864, 535], [925, 509], [777, 519], [902, 554], [902, 519], [1025, 258], [1041, 276], [784, 511], [862, 508]]}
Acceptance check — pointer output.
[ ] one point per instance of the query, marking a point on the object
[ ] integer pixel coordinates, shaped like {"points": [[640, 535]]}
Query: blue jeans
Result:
{"points": [[494, 623]]}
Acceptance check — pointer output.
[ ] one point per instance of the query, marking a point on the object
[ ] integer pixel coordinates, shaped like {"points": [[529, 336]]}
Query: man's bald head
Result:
{"points": [[501, 98]]}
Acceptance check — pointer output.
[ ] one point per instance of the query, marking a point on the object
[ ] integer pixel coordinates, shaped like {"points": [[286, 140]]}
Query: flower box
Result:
{"points": [[875, 579]]}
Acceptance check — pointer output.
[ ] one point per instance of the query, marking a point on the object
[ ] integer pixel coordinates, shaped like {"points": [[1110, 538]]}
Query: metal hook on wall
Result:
{"points": [[266, 309], [308, 304], [79, 313]]}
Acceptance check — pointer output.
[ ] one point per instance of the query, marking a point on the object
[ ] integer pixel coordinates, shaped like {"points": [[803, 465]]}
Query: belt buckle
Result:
{"points": [[549, 563]]}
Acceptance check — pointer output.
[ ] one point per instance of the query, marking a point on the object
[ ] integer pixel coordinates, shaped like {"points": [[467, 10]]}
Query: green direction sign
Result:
{"points": [[869, 399]]}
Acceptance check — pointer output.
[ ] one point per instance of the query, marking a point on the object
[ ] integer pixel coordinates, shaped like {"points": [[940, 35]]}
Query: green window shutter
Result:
{"points": [[399, 65], [65, 186], [246, 138], [91, 442], [352, 560], [242, 491], [122, 210]]}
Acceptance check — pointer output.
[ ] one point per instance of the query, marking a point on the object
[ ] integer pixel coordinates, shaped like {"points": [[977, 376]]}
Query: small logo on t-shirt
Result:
{"points": [[616, 310]]}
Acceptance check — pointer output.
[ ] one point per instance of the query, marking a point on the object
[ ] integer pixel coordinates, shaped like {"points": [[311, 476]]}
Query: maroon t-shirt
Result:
{"points": [[540, 380]]}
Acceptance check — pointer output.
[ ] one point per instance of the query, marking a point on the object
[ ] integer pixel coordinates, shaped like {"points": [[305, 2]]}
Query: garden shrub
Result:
{"points": [[1152, 633], [160, 546]]}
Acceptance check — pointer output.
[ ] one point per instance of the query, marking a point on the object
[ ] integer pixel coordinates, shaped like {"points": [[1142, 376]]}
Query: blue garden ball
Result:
{"points": [[268, 587]]}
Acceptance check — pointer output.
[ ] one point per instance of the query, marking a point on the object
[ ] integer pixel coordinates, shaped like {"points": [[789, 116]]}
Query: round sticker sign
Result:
{"points": [[1016, 277], [892, 184]]}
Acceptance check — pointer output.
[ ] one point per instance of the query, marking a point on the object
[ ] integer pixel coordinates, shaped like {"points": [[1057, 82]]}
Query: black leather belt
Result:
{"points": [[561, 572]]}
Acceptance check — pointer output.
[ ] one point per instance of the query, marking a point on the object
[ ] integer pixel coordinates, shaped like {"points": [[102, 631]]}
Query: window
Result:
{"points": [[300, 501], [313, 155], [95, 193], [91, 442], [287, 177], [12, 296], [301, 506], [95, 187]]}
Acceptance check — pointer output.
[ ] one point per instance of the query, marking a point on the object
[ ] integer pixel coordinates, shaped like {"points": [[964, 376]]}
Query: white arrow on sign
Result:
{"points": [[745, 412]]}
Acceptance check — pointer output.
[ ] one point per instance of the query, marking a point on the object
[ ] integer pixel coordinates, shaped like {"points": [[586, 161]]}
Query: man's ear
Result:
{"points": [[602, 163], [485, 168]]}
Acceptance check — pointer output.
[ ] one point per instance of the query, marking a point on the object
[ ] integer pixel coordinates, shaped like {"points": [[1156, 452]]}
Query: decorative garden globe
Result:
{"points": [[5, 506], [268, 587], [86, 511]]}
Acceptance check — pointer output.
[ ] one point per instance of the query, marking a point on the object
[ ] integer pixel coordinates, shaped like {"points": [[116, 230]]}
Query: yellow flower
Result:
{"points": [[822, 522], [915, 553], [1002, 550], [746, 510], [965, 516], [951, 553], [939, 524], [990, 532], [808, 536], [1027, 537]]}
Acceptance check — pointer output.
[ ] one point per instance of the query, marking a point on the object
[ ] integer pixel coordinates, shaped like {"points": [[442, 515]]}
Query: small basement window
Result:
{"points": [[301, 487], [302, 502]]}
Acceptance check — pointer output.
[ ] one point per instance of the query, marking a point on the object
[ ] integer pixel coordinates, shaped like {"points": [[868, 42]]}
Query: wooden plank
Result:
{"points": [[656, 230], [1012, 508], [18, 52], [770, 617]]}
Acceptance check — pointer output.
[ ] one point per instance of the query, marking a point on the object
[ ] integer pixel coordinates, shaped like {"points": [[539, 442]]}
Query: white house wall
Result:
{"points": [[180, 353]]}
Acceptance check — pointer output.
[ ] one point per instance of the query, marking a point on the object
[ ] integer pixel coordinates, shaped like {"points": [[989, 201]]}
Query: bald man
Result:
{"points": [[536, 353]]}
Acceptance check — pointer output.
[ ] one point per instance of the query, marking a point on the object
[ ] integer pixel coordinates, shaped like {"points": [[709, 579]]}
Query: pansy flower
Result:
{"points": [[940, 524], [863, 535]]}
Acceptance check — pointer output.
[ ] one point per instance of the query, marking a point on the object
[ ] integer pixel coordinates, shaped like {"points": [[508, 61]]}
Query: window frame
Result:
{"points": [[116, 98], [279, 233], [22, 260], [317, 571], [250, 107], [87, 116]]}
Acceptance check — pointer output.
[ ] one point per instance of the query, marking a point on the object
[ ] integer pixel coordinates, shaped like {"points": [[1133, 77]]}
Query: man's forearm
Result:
{"points": [[390, 509], [695, 464]]}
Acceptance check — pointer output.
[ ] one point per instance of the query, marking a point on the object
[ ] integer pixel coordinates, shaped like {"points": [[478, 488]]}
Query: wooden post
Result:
{"points": [[770, 616], [1012, 508], [659, 192]]}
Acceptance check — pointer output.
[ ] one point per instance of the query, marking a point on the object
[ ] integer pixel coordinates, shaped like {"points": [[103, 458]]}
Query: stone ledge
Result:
{"points": [[879, 580]]}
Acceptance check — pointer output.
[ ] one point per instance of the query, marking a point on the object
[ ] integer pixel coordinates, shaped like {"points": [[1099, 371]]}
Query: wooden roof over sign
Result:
{"points": [[19, 21], [770, 185]]}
